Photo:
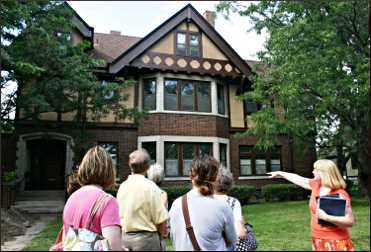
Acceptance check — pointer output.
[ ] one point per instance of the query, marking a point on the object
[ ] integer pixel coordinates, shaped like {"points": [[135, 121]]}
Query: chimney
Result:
{"points": [[210, 17], [115, 33]]}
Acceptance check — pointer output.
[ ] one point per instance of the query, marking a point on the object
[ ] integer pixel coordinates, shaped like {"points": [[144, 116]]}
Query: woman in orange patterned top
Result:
{"points": [[327, 181]]}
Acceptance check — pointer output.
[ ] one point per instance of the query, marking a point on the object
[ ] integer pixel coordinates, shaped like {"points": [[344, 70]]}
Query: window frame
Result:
{"points": [[155, 94], [253, 155], [187, 43], [180, 153], [195, 84]]}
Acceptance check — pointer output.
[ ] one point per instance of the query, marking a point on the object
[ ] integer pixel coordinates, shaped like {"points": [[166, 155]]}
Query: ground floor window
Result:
{"points": [[253, 162], [150, 147], [112, 149], [178, 156]]}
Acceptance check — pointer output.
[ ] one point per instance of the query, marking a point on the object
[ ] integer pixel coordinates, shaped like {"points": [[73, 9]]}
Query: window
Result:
{"points": [[194, 45], [150, 147], [251, 107], [108, 94], [223, 154], [192, 95], [171, 94], [149, 94], [188, 44], [179, 156], [253, 162], [181, 45], [221, 99], [111, 148]]}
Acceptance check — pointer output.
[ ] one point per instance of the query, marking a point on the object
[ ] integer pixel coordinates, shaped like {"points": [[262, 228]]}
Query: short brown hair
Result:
{"points": [[203, 172], [139, 161], [97, 168]]}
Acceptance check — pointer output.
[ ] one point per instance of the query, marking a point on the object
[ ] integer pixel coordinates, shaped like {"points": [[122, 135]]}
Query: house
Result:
{"points": [[187, 76]]}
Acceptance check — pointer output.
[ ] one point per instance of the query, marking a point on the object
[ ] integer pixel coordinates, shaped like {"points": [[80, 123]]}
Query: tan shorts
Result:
{"points": [[142, 241]]}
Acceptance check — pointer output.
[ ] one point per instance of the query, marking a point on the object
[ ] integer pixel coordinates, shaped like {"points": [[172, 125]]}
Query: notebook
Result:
{"points": [[332, 206]]}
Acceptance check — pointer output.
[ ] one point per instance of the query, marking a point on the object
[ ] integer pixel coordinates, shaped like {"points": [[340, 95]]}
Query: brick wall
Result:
{"points": [[184, 125], [125, 137]]}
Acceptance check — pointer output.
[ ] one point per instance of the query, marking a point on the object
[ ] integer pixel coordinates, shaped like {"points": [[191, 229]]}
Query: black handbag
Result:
{"points": [[248, 244]]}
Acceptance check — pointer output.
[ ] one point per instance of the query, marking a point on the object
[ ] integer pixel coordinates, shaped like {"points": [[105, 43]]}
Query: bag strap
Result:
{"points": [[189, 227], [94, 210]]}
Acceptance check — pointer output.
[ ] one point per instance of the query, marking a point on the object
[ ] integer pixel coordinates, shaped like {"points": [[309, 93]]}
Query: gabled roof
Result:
{"points": [[188, 13]]}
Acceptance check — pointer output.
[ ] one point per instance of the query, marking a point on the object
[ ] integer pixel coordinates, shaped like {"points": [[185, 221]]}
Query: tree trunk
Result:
{"points": [[361, 162]]}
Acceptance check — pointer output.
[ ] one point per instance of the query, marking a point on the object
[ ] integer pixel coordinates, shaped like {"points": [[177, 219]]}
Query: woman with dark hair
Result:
{"points": [[210, 219]]}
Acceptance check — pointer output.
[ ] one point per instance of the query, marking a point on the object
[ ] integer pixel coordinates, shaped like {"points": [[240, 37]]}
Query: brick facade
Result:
{"points": [[184, 125]]}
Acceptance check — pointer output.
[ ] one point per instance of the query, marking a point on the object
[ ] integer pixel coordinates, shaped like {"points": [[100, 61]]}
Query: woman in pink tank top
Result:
{"points": [[95, 173]]}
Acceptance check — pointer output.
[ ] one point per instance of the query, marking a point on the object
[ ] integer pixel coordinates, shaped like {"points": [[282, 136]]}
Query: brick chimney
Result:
{"points": [[115, 33], [210, 17]]}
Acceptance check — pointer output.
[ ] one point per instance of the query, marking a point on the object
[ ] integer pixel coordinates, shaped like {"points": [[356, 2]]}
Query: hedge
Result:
{"points": [[242, 193], [282, 192]]}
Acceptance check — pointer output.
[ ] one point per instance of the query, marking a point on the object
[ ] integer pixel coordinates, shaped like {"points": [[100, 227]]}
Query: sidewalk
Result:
{"points": [[20, 242]]}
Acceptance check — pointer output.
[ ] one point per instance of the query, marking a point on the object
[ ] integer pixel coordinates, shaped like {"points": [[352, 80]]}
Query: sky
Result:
{"points": [[138, 18]]}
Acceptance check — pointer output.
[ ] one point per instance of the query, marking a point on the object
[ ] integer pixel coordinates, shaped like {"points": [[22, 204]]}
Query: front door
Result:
{"points": [[47, 164]]}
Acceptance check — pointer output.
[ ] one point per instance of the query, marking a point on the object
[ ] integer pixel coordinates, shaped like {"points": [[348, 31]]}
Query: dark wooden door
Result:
{"points": [[47, 164]]}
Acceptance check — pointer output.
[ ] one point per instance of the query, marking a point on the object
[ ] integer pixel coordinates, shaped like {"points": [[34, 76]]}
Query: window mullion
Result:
{"points": [[180, 160], [195, 97]]}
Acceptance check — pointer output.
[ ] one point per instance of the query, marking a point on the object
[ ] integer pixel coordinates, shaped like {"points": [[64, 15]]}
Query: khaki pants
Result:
{"points": [[142, 241]]}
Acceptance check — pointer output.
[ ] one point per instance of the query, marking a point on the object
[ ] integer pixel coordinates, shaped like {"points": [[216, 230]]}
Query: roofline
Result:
{"points": [[186, 13]]}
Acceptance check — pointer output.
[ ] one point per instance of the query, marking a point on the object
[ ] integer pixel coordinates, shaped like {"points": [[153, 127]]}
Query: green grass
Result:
{"points": [[277, 226]]}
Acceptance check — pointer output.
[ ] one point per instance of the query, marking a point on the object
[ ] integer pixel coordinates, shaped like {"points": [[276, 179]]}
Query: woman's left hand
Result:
{"points": [[321, 215]]}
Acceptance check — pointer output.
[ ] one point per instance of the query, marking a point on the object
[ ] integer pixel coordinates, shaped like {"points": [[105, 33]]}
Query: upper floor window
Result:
{"points": [[108, 94], [251, 106], [188, 44], [221, 99], [149, 94], [187, 95], [254, 162]]}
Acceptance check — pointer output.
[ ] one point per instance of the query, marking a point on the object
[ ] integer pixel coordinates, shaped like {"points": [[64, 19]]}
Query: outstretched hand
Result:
{"points": [[275, 174]]}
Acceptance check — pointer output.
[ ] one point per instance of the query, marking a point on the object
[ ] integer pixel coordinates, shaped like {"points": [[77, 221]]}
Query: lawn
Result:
{"points": [[277, 226]]}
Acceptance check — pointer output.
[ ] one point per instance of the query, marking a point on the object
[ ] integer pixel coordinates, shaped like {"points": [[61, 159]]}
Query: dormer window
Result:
{"points": [[188, 44]]}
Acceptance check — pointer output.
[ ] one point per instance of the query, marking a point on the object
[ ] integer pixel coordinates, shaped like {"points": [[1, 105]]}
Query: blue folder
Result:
{"points": [[332, 206]]}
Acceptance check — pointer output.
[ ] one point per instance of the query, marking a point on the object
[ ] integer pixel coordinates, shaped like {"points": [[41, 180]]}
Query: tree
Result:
{"points": [[318, 56], [51, 73]]}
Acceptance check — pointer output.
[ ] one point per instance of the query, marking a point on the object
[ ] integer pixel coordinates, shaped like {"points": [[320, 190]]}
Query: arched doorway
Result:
{"points": [[43, 159]]}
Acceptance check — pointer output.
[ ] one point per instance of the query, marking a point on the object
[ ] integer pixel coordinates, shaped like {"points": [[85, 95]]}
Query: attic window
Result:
{"points": [[188, 44]]}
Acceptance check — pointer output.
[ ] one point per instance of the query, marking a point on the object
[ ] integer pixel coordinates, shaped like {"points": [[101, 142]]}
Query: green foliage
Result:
{"points": [[243, 193], [174, 192], [52, 73], [283, 192], [9, 176], [317, 59]]}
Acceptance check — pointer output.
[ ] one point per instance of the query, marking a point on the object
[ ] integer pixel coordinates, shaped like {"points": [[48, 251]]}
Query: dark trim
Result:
{"points": [[72, 123], [187, 12]]}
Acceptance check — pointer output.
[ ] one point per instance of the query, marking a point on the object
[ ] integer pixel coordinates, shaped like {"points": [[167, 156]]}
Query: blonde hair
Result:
{"points": [[156, 173], [330, 174], [97, 168]]}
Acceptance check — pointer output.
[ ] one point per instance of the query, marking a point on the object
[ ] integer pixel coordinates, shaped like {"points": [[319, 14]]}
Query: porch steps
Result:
{"points": [[40, 202]]}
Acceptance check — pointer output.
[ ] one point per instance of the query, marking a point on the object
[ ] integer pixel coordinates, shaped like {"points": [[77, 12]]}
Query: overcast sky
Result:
{"points": [[138, 18]]}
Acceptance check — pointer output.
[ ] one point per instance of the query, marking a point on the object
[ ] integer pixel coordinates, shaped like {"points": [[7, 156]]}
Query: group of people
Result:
{"points": [[206, 218]]}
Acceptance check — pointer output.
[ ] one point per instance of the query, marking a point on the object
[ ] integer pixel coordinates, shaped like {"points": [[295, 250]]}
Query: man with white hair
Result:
{"points": [[142, 213]]}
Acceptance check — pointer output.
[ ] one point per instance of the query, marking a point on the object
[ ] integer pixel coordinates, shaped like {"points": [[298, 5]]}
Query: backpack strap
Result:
{"points": [[189, 227], [94, 209]]}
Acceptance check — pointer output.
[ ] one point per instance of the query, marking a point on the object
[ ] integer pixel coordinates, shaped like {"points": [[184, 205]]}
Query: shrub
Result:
{"points": [[352, 187], [243, 193], [174, 192], [282, 192], [9, 176]]}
